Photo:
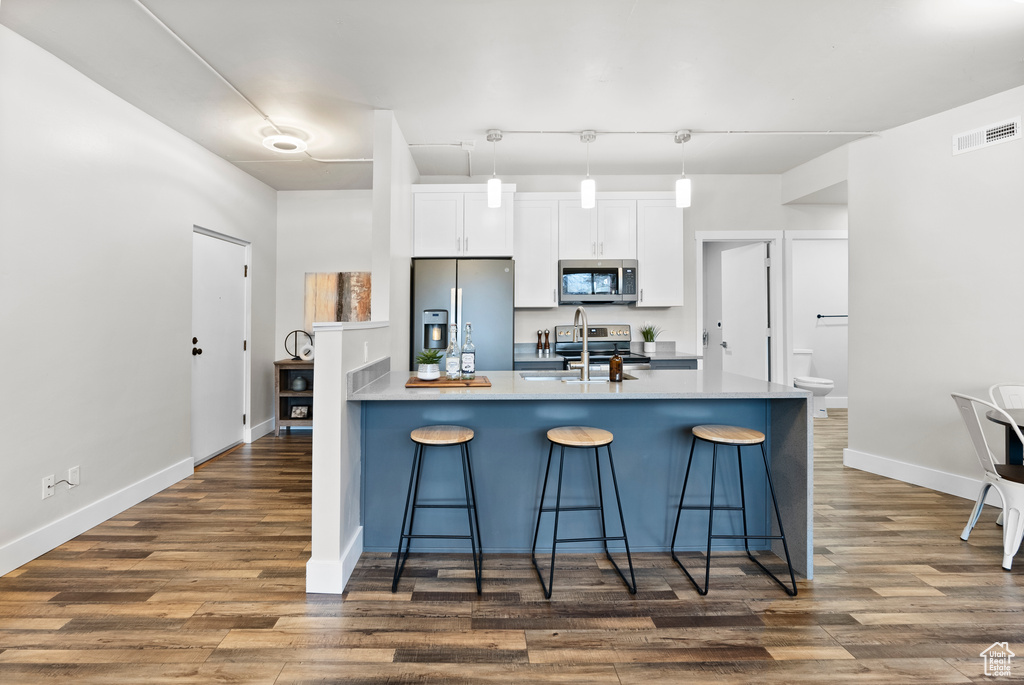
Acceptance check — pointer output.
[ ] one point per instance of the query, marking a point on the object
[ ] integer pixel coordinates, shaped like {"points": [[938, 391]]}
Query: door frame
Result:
{"points": [[775, 283], [247, 354], [788, 238]]}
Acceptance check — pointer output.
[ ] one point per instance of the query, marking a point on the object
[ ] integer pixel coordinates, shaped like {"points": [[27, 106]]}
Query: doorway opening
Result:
{"points": [[737, 302]]}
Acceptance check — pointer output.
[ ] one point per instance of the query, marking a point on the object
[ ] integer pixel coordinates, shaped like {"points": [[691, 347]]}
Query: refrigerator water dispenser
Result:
{"points": [[435, 329]]}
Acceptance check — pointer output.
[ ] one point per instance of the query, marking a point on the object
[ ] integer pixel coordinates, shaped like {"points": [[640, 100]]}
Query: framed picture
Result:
{"points": [[300, 411]]}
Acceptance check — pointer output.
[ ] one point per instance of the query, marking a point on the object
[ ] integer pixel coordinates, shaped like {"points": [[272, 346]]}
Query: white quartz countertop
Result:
{"points": [[648, 385]]}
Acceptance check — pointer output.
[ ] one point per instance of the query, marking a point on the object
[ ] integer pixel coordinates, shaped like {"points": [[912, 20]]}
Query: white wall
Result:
{"points": [[97, 208], [936, 245], [820, 286], [318, 231], [394, 172]]}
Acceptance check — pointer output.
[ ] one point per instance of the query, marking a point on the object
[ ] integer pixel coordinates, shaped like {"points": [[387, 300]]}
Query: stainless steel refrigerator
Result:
{"points": [[479, 291]]}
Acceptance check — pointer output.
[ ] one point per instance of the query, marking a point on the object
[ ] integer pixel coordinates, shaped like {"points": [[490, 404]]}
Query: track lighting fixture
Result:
{"points": [[588, 188], [683, 190], [494, 183]]}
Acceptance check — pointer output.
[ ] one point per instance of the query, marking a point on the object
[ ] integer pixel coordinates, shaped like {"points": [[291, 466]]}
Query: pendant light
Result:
{"points": [[682, 184], [588, 188], [494, 183]]}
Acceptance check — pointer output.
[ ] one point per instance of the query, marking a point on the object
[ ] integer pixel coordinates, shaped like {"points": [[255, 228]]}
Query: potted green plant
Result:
{"points": [[650, 333], [428, 362]]}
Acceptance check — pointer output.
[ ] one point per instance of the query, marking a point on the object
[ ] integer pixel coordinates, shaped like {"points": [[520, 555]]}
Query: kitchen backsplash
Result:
{"points": [[669, 319]]}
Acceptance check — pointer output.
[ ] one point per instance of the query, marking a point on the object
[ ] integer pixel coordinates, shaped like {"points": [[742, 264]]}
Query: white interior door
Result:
{"points": [[745, 310], [218, 356]]}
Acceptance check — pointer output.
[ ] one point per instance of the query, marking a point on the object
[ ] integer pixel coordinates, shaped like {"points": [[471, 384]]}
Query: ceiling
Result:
{"points": [[451, 69]]}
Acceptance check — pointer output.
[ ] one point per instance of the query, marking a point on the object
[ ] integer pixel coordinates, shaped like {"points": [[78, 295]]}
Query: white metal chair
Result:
{"points": [[1008, 480], [1007, 395]]}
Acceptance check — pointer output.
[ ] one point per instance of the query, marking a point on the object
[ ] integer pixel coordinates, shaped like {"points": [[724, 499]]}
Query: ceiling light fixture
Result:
{"points": [[494, 183], [588, 188], [284, 143], [683, 189]]}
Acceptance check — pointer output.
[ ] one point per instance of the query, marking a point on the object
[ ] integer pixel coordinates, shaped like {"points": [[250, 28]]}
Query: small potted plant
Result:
{"points": [[650, 332], [429, 368]]}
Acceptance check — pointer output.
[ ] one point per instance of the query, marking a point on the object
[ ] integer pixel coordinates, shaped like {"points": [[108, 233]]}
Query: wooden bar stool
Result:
{"points": [[731, 435], [434, 436], [585, 438]]}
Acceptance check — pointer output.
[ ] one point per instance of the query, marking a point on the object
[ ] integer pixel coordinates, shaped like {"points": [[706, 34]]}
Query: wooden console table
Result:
{"points": [[292, 407]]}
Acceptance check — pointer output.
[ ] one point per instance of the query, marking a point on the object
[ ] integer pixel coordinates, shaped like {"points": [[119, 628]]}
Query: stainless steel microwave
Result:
{"points": [[597, 281]]}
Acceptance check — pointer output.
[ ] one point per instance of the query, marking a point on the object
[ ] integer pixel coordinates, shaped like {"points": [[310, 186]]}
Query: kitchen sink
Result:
{"points": [[569, 376]]}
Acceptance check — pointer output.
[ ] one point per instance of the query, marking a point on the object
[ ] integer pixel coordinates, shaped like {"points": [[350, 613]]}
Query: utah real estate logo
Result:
{"points": [[997, 659]]}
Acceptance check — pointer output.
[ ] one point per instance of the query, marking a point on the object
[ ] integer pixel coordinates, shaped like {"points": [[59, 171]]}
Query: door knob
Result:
{"points": [[195, 351], [195, 340], [725, 344]]}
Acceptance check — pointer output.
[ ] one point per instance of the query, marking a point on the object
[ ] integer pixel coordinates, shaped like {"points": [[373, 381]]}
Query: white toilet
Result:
{"points": [[803, 379]]}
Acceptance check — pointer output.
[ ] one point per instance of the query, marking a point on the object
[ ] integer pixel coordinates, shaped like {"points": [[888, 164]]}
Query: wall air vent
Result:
{"points": [[985, 136]]}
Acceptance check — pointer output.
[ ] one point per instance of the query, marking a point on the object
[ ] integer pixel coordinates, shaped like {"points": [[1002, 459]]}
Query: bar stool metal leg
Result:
{"points": [[679, 511], [414, 478], [536, 530], [782, 533], [554, 536], [622, 522], [476, 547]]}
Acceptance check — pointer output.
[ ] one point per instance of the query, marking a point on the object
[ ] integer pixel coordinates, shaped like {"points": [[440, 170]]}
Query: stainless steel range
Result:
{"points": [[605, 340]]}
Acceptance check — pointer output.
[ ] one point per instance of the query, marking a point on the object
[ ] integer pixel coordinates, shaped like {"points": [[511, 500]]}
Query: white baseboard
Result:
{"points": [[52, 535], [915, 474], [257, 431], [331, 576]]}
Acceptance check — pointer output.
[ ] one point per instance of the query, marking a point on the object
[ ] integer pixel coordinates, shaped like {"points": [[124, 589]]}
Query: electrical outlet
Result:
{"points": [[74, 476], [48, 487]]}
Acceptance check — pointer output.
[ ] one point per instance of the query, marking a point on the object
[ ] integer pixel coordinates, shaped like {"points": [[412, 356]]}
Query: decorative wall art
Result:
{"points": [[343, 296]]}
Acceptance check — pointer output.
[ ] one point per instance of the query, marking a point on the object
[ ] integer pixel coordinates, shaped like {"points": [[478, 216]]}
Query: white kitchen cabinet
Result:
{"points": [[450, 221], [536, 238], [577, 231], [487, 232], [659, 246], [438, 224], [606, 232], [616, 229]]}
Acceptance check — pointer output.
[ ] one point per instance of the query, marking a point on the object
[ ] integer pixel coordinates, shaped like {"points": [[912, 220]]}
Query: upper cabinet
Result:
{"points": [[616, 229], [659, 247], [454, 221], [536, 252], [577, 231], [606, 232]]}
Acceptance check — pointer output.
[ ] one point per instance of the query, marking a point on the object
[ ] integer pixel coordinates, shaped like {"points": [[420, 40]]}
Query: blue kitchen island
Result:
{"points": [[650, 416]]}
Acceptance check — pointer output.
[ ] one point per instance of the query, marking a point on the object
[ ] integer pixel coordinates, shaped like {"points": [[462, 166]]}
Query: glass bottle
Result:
{"points": [[468, 354], [451, 355], [615, 368]]}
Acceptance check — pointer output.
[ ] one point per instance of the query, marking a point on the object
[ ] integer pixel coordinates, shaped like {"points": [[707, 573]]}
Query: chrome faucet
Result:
{"points": [[585, 356]]}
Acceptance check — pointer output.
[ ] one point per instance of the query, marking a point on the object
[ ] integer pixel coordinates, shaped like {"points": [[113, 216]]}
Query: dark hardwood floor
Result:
{"points": [[204, 583]]}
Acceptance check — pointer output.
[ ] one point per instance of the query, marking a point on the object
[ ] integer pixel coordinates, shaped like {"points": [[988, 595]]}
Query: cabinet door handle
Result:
{"points": [[601, 252], [593, 249], [554, 296], [467, 243], [641, 294]]}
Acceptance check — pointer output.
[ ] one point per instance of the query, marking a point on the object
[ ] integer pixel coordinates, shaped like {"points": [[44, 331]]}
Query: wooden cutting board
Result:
{"points": [[478, 382]]}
